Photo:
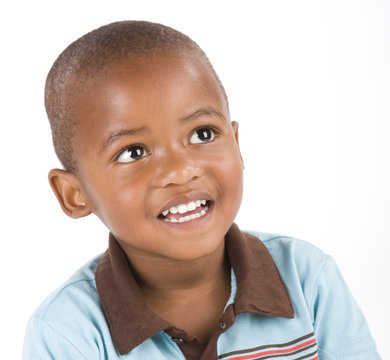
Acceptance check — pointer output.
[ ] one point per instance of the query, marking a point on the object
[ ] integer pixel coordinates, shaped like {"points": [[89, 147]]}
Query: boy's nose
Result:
{"points": [[177, 168]]}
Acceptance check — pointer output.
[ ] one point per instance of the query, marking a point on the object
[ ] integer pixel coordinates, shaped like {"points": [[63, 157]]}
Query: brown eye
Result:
{"points": [[132, 153], [202, 135]]}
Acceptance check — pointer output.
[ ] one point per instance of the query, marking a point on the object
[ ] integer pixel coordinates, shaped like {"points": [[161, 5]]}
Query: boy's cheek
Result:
{"points": [[229, 162]]}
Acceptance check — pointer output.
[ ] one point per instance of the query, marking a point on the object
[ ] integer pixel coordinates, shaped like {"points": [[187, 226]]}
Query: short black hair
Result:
{"points": [[83, 59]]}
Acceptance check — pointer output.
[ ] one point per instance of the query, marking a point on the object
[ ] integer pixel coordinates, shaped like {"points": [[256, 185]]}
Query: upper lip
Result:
{"points": [[185, 198]]}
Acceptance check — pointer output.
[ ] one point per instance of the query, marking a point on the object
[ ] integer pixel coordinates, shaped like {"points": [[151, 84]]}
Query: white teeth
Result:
{"points": [[183, 208], [188, 217], [185, 218], [191, 206]]}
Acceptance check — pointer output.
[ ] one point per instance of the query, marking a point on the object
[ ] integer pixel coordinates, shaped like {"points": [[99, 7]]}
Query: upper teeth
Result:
{"points": [[183, 208]]}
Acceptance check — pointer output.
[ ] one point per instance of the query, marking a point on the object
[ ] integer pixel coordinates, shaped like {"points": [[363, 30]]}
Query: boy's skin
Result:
{"points": [[158, 103]]}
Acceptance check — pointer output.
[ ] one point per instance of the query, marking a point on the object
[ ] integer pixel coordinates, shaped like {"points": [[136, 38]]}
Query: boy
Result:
{"points": [[140, 122]]}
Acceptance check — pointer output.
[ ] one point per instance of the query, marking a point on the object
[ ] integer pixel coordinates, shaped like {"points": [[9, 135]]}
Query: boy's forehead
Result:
{"points": [[142, 82], [160, 72], [147, 70]]}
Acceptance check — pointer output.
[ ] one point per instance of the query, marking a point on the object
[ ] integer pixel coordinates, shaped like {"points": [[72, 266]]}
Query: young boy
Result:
{"points": [[140, 122]]}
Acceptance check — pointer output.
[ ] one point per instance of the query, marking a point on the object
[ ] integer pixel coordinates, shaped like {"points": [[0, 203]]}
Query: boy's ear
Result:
{"points": [[235, 130], [69, 193]]}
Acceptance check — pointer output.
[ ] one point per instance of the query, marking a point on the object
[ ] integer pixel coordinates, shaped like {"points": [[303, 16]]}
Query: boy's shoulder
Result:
{"points": [[79, 288], [271, 239], [69, 322], [299, 263], [283, 247]]}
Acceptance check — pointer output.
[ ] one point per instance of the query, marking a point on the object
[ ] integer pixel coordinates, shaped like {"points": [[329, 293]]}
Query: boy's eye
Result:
{"points": [[132, 153], [202, 135]]}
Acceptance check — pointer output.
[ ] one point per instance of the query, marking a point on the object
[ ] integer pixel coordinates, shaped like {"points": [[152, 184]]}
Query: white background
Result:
{"points": [[309, 82]]}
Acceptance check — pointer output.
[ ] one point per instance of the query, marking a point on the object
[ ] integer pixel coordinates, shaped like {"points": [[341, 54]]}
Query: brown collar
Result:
{"points": [[260, 290]]}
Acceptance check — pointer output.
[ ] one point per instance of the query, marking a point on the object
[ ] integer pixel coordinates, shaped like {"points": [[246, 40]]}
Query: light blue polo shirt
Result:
{"points": [[288, 301]]}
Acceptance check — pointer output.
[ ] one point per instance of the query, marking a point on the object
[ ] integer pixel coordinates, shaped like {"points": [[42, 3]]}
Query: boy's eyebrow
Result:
{"points": [[114, 136], [204, 112]]}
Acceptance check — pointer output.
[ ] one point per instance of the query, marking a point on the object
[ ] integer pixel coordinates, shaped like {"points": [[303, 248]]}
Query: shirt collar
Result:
{"points": [[260, 290]]}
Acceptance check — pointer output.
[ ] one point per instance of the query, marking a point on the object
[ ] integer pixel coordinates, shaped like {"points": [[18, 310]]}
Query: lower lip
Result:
{"points": [[194, 222]]}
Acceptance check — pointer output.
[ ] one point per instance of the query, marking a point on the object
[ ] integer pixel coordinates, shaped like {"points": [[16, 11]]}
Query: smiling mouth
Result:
{"points": [[186, 212]]}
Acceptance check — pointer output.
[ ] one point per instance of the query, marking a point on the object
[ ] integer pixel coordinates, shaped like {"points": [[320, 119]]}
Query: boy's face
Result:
{"points": [[155, 135]]}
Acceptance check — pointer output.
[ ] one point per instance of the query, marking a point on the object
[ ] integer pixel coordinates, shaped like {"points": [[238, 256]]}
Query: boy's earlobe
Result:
{"points": [[69, 193]]}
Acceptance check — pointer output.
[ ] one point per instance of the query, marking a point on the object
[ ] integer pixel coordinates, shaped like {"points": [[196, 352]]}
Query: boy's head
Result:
{"points": [[86, 58], [142, 124]]}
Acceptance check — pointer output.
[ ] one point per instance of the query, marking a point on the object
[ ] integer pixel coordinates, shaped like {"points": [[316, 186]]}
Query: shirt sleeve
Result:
{"points": [[341, 330], [42, 342]]}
